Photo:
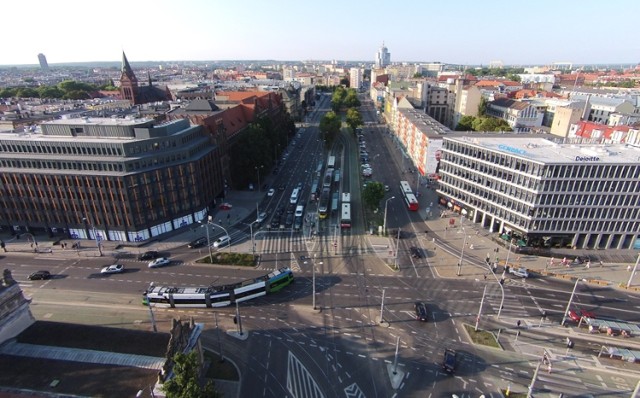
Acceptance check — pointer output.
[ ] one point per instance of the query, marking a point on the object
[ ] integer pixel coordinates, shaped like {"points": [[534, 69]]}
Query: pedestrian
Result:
{"points": [[629, 268], [485, 277], [549, 368], [588, 265], [601, 264]]}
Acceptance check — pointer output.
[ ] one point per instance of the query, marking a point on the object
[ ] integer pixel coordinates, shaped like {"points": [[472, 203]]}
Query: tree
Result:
{"points": [[465, 123], [50, 92], [482, 107], [27, 92], [490, 124], [353, 119], [373, 194], [351, 100], [330, 125], [337, 99], [185, 381], [251, 151], [8, 92]]}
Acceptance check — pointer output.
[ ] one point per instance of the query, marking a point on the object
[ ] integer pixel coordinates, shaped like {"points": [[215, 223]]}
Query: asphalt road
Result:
{"points": [[342, 349]]}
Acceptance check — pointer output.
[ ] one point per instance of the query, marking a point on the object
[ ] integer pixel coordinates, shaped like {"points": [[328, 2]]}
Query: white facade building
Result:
{"points": [[355, 78], [543, 194], [383, 57]]}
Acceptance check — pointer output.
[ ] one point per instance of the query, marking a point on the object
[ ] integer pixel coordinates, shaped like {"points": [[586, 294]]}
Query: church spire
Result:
{"points": [[126, 68]]}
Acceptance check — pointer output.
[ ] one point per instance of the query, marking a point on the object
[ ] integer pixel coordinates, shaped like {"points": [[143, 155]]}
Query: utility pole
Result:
{"points": [[215, 316], [382, 307], [480, 310]]}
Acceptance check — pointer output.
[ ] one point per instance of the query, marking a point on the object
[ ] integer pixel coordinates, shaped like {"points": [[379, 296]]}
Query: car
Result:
{"points": [[521, 272], [271, 192], [281, 187], [261, 217], [197, 243], [421, 311], [289, 220], [275, 222], [577, 314], [149, 255], [416, 252], [159, 262], [386, 188], [365, 166], [226, 206], [112, 269], [222, 241], [40, 275], [449, 361]]}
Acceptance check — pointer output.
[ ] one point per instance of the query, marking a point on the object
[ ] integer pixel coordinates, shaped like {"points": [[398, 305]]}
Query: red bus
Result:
{"points": [[408, 196]]}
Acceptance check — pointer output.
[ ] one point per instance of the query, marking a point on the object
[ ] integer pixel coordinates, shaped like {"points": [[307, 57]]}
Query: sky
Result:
{"points": [[472, 32]]}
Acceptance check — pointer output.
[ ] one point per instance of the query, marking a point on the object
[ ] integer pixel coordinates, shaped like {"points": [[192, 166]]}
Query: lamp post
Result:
{"points": [[506, 264], [253, 245], [258, 170], [464, 243], [395, 261], [384, 222], [573, 292], [208, 239], [633, 272], [95, 235]]}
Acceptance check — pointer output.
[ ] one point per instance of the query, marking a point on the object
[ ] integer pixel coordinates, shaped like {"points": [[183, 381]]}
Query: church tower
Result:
{"points": [[128, 82]]}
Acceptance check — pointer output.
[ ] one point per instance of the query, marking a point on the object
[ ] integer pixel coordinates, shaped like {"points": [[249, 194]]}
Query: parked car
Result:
{"points": [[40, 275], [148, 255], [197, 243], [226, 206], [112, 269], [386, 188], [449, 361], [159, 262], [222, 241], [521, 272], [271, 192], [421, 311]]}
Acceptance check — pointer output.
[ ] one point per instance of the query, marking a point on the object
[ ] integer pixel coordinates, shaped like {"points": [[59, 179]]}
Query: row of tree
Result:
{"points": [[68, 89]]}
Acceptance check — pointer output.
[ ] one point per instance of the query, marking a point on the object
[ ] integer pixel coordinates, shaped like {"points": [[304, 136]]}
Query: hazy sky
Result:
{"points": [[461, 31]]}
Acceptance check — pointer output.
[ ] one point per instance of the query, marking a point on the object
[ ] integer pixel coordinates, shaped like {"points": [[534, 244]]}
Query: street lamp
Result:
{"points": [[573, 292], [464, 243], [253, 245], [384, 223], [258, 170], [95, 234], [208, 239]]}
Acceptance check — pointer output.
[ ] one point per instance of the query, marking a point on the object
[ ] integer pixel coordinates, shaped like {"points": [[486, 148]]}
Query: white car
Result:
{"points": [[159, 262], [261, 217], [112, 269], [521, 272], [222, 241], [271, 192], [365, 166]]}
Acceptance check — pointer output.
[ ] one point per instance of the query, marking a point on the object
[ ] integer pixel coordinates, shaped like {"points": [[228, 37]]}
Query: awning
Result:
{"points": [[464, 212], [505, 237], [521, 243]]}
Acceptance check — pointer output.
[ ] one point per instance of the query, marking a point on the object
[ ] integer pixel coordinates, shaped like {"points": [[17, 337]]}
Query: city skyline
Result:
{"points": [[197, 30]]}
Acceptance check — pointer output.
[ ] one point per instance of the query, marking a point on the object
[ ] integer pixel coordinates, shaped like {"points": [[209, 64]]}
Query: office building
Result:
{"points": [[543, 194], [101, 178], [43, 62], [383, 57], [355, 78]]}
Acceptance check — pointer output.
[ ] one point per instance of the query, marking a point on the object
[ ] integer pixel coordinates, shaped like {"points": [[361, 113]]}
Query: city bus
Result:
{"points": [[334, 202], [328, 178], [409, 198], [323, 207], [331, 163], [314, 191], [345, 216], [295, 195]]}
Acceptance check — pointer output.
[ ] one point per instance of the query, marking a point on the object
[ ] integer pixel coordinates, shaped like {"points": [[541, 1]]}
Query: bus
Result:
{"points": [[295, 195], [408, 196], [331, 163], [334, 202], [314, 191], [328, 177], [336, 178], [345, 216], [323, 207]]}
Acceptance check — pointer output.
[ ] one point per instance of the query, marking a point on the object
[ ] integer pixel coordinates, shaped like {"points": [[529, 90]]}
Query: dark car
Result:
{"points": [[421, 311], [416, 252], [398, 234], [40, 275], [148, 255], [450, 361], [197, 243], [289, 220]]}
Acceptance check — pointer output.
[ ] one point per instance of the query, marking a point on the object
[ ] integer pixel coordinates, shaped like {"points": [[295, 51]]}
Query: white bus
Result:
{"points": [[295, 195]]}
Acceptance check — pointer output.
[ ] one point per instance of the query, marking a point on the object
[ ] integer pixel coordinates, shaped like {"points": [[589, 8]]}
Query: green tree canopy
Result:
{"points": [[353, 119], [490, 124], [482, 107], [50, 92], [465, 123], [373, 194], [338, 97], [251, 155], [185, 382], [330, 125], [27, 92], [351, 100]]}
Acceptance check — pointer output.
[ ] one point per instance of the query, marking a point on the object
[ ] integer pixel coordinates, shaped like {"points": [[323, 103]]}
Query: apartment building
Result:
{"points": [[520, 116], [102, 178], [544, 194]]}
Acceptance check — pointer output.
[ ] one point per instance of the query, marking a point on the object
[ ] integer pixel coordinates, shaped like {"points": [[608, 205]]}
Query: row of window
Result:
{"points": [[608, 199], [593, 227], [589, 213], [69, 148], [591, 185], [463, 154]]}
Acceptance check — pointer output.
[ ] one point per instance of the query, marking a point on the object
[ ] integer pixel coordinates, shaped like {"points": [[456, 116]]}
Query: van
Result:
{"points": [[299, 211], [222, 241], [294, 196]]}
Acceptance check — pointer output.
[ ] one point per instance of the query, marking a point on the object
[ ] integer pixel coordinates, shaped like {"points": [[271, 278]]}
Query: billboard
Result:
{"points": [[434, 151]]}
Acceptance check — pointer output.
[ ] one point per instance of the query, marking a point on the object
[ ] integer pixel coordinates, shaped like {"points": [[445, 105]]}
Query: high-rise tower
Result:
{"points": [[383, 57], [43, 62]]}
